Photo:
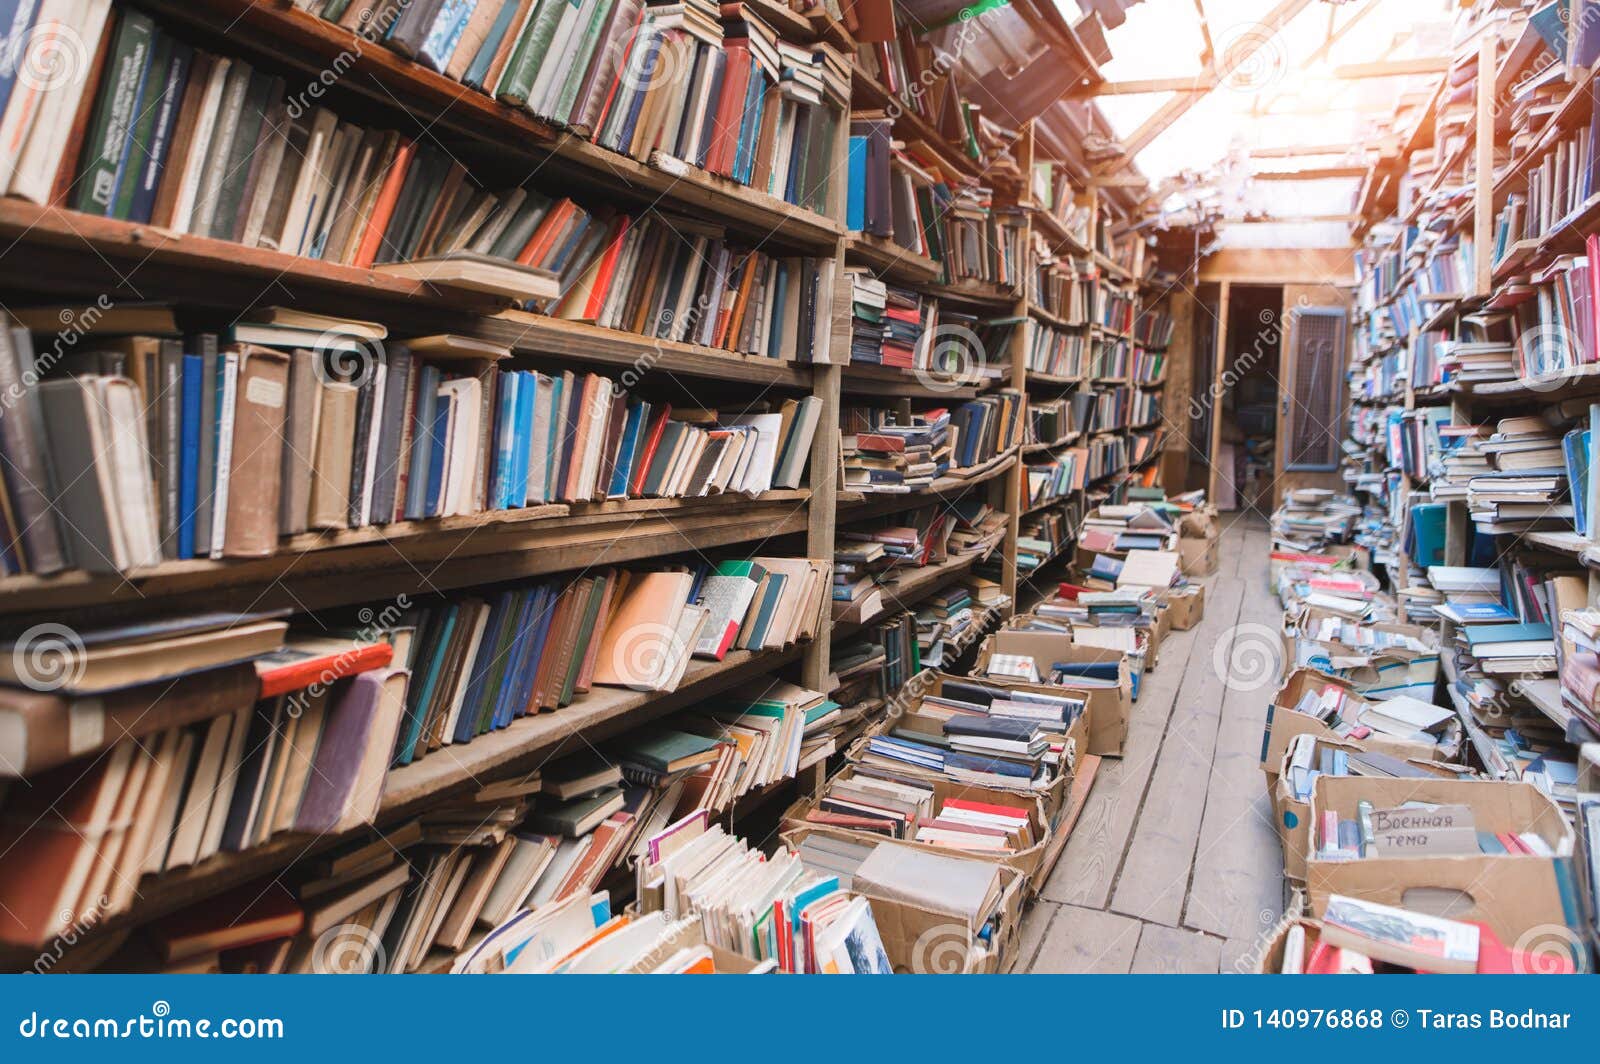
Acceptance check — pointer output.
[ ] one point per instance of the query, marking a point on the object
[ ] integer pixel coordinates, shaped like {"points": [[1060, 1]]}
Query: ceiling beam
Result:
{"points": [[1292, 150], [1201, 82], [1312, 174], [1393, 68], [1175, 108]]}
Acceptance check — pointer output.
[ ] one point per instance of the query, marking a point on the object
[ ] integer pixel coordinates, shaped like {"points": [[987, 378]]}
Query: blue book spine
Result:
{"points": [[516, 653], [438, 441], [482, 664], [421, 443], [630, 429], [652, 49], [479, 68], [505, 433], [189, 454], [445, 34], [405, 752], [552, 455], [855, 215], [16, 21], [526, 392], [177, 76], [540, 611]]}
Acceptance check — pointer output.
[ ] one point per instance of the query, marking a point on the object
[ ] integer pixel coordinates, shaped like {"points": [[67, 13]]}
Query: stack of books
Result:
{"points": [[895, 451], [1311, 518]]}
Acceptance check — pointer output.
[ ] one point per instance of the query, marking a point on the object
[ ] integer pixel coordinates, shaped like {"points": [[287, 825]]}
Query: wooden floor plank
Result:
{"points": [[1035, 926], [1237, 887], [1083, 941], [1155, 874], [1170, 951]]}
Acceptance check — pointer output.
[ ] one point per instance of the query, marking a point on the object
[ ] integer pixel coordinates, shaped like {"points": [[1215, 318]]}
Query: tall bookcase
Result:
{"points": [[56, 254]]}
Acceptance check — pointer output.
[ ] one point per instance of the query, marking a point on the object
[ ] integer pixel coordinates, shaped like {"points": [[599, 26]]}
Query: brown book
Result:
{"points": [[455, 674], [518, 24], [472, 38], [67, 170], [252, 529], [443, 204], [182, 139], [591, 651], [367, 194], [641, 628], [330, 467], [42, 730], [560, 623], [48, 845]]}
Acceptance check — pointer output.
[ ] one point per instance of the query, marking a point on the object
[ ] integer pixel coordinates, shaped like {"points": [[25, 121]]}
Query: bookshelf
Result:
{"points": [[64, 256], [1437, 193]]}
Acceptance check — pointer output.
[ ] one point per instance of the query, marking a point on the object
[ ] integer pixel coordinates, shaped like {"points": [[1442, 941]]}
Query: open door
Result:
{"points": [[1312, 394]]}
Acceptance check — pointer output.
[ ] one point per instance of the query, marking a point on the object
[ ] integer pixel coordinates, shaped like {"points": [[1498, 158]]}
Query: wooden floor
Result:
{"points": [[1173, 865]]}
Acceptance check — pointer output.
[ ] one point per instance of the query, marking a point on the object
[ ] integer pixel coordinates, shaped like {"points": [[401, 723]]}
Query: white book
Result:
{"points": [[539, 438], [229, 370], [82, 22], [464, 675], [227, 782], [296, 234], [194, 166], [380, 383]]}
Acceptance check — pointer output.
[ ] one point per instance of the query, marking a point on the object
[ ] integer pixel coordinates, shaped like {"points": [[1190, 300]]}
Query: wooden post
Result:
{"points": [[1483, 189], [1219, 364]]}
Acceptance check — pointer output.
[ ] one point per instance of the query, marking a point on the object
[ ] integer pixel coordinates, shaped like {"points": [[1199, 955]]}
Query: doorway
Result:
{"points": [[1246, 437]]}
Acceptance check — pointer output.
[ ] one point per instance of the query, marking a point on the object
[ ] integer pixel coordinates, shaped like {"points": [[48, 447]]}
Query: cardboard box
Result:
{"points": [[1199, 557], [1199, 523], [1024, 861], [1110, 708], [1284, 722], [1291, 816], [1510, 894], [1186, 607], [925, 942], [1377, 674], [690, 934], [1270, 960]]}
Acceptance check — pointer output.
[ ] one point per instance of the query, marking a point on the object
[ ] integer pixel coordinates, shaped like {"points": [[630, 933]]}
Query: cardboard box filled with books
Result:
{"points": [[1105, 675]]}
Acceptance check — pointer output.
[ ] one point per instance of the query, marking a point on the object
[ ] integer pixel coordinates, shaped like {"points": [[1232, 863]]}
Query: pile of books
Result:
{"points": [[1531, 468], [887, 323], [911, 810], [1311, 518], [860, 567], [895, 451]]}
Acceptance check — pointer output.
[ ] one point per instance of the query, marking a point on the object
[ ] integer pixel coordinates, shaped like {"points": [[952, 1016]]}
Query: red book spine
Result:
{"points": [[643, 463], [608, 267], [383, 209], [730, 109], [324, 670]]}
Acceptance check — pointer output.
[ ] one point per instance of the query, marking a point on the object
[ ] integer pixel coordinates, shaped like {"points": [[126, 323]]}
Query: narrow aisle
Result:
{"points": [[1173, 865]]}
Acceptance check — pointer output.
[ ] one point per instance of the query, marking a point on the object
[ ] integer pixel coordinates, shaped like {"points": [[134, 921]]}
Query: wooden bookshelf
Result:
{"points": [[890, 382]]}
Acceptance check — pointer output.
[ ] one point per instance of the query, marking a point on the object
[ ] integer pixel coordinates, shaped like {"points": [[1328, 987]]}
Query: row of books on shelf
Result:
{"points": [[325, 439], [1064, 287], [1110, 410], [1557, 186], [1043, 537], [222, 152], [1110, 360], [1114, 309], [888, 194], [1058, 475], [1522, 474], [207, 755], [1148, 367], [710, 86], [1448, 267], [1055, 194], [1107, 456], [1058, 352], [1056, 420], [1153, 328]]}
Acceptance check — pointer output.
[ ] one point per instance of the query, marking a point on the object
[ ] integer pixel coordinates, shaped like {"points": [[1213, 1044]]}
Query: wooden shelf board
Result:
{"points": [[859, 505], [860, 378], [439, 555], [889, 261]]}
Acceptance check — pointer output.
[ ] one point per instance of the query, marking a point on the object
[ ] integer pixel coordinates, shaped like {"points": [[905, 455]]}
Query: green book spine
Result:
{"points": [[591, 612], [115, 114], [335, 9], [517, 80], [501, 638], [599, 16], [257, 99], [147, 108]]}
